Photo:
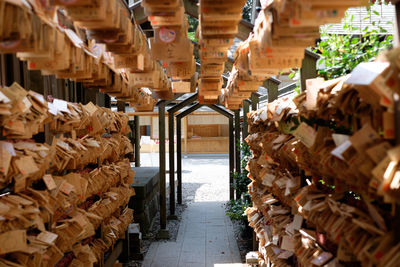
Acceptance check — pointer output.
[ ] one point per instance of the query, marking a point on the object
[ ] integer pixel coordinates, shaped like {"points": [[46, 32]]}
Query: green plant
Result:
{"points": [[341, 53], [193, 23], [192, 37], [295, 76], [246, 13], [237, 207]]}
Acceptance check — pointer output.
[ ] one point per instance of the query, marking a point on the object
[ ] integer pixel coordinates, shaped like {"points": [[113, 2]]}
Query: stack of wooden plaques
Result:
{"points": [[240, 83], [125, 41], [325, 175], [65, 203], [282, 30], [116, 46], [170, 43], [218, 26]]}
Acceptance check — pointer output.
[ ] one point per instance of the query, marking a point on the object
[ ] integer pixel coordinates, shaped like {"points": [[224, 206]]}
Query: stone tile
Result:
{"points": [[205, 231], [197, 247], [192, 257], [191, 264], [164, 262], [168, 250], [218, 259]]}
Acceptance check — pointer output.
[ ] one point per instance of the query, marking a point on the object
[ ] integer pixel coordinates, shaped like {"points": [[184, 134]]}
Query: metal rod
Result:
{"points": [[231, 159], [171, 163], [179, 157], [161, 133], [136, 120]]}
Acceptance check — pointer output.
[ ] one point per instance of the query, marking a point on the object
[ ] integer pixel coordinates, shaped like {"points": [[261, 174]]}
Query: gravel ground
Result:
{"points": [[244, 238], [205, 178]]}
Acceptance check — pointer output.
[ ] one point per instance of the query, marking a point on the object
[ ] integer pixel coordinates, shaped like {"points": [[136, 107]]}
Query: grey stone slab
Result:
{"points": [[145, 179], [205, 236], [192, 257], [191, 264], [198, 247], [165, 262], [151, 254], [218, 259], [168, 250]]}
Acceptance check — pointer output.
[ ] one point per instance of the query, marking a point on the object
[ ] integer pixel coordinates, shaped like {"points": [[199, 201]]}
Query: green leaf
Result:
{"points": [[376, 12]]}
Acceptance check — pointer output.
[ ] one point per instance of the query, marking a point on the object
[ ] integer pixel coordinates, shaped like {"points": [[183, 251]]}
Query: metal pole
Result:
{"points": [[231, 159], [179, 157], [237, 143], [161, 137], [171, 164], [136, 120], [245, 129]]}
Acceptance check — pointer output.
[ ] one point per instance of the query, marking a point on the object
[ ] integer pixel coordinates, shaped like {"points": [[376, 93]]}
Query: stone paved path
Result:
{"points": [[205, 236]]}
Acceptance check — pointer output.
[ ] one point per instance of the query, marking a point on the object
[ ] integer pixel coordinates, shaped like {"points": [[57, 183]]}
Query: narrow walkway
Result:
{"points": [[205, 236]]}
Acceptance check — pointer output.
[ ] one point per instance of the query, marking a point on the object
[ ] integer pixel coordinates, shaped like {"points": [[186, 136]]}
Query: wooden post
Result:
{"points": [[179, 158], [163, 233], [245, 129], [254, 101], [107, 101], [237, 144], [272, 85], [16, 70], [3, 73], [231, 159], [121, 106], [185, 134], [308, 67], [171, 164], [137, 140]]}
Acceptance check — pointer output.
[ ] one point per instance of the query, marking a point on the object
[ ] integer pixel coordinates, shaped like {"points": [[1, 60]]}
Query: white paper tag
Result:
{"points": [[61, 105], [338, 151], [268, 179], [306, 134], [297, 222]]}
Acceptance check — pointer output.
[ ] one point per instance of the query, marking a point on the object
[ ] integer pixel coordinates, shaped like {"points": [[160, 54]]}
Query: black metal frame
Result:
{"points": [[186, 112], [171, 127]]}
